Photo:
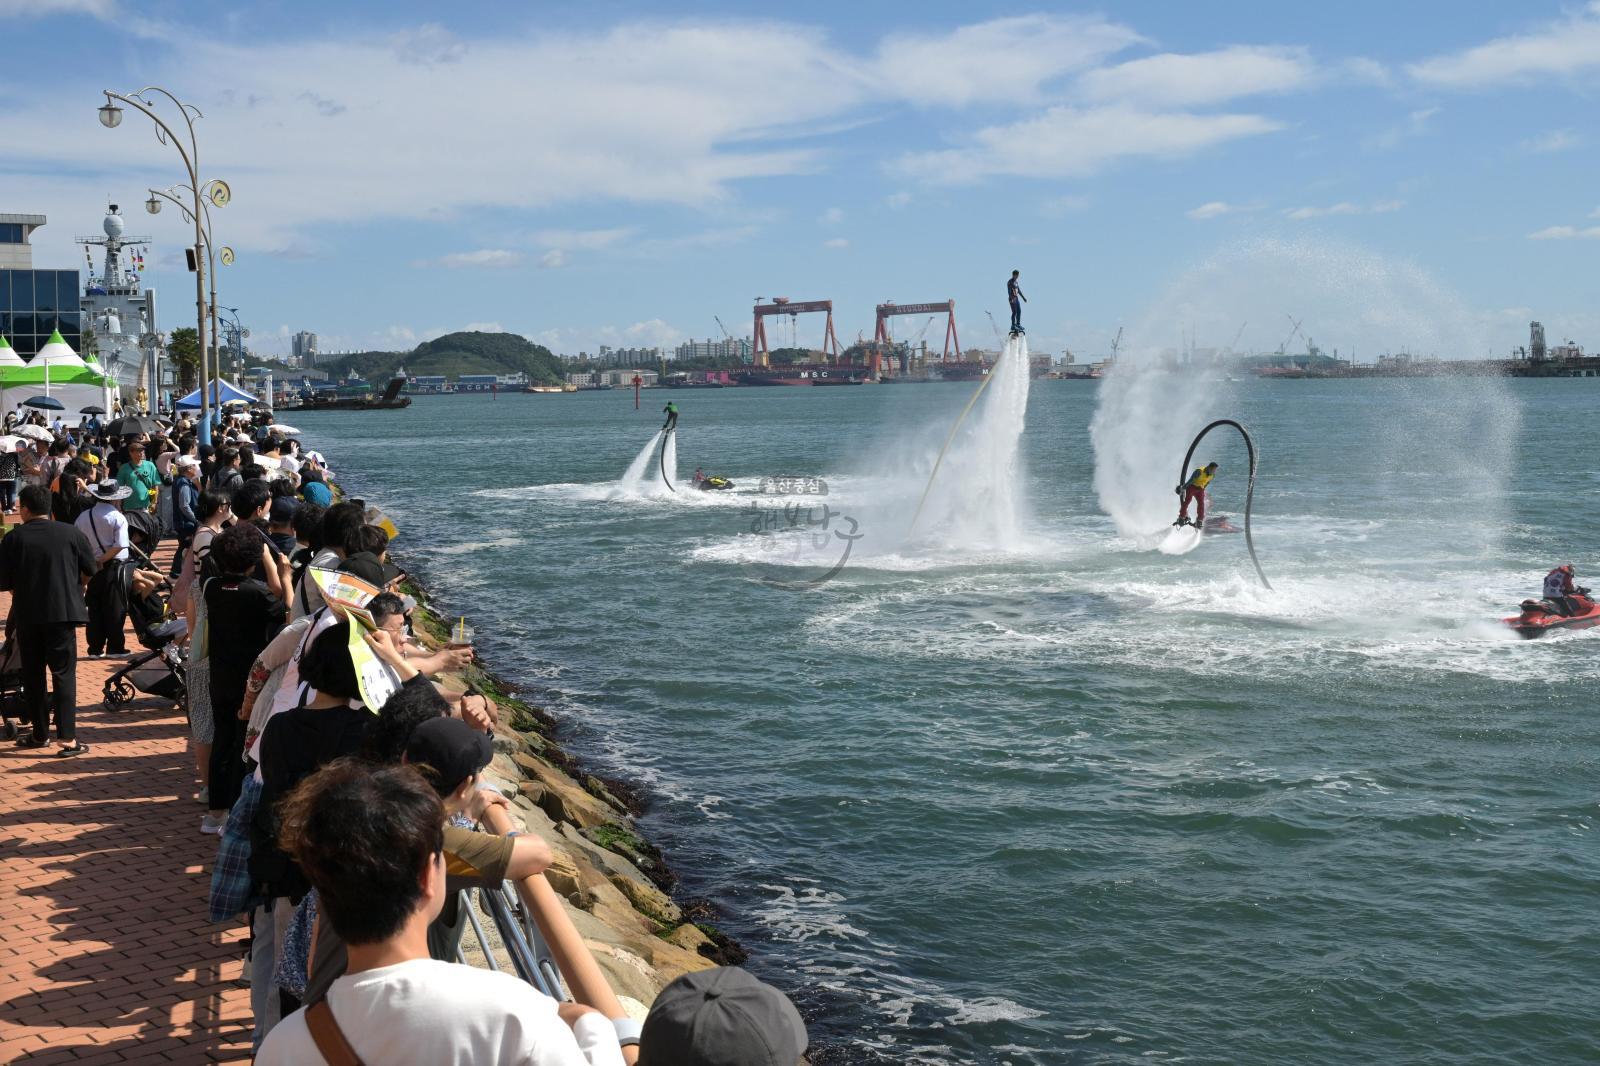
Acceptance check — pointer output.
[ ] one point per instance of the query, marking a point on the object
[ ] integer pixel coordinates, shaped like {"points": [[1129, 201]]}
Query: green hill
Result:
{"points": [[455, 354]]}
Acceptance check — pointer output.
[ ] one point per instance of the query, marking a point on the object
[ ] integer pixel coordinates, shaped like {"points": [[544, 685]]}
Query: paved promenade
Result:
{"points": [[106, 955]]}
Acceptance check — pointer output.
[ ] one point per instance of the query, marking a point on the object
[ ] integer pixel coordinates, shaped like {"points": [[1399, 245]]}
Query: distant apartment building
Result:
{"points": [[727, 348], [304, 348], [628, 357]]}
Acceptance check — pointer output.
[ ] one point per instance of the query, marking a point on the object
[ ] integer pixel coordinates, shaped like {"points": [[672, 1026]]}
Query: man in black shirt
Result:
{"points": [[44, 565]]}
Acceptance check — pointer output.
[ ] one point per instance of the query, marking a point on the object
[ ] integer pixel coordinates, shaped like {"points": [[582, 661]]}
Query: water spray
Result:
{"points": [[1250, 488], [984, 384]]}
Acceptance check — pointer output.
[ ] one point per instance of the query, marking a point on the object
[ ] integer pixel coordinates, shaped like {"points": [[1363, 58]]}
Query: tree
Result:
{"points": [[183, 351]]}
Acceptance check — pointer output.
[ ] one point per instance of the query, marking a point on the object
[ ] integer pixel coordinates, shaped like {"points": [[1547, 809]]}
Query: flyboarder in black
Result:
{"points": [[1016, 299], [671, 411]]}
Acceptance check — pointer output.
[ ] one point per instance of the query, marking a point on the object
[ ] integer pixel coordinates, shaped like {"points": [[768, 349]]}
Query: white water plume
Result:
{"points": [[974, 496], [1271, 294], [633, 477]]}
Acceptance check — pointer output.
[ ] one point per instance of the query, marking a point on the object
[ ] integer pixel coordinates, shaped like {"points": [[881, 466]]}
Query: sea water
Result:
{"points": [[1053, 796]]}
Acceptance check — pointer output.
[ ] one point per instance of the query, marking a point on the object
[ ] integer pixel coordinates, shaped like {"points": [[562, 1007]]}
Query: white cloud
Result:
{"points": [[831, 217], [836, 242], [1553, 141], [897, 200], [100, 9], [483, 327], [1218, 208], [488, 258], [653, 334], [1062, 206], [587, 240], [1415, 125], [1565, 233], [1367, 71], [576, 127], [1000, 61], [553, 259], [1557, 49], [1206, 78], [1342, 208], [1071, 141], [1595, 213]]}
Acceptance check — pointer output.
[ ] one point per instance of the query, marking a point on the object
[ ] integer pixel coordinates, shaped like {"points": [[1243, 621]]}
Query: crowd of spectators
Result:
{"points": [[346, 805]]}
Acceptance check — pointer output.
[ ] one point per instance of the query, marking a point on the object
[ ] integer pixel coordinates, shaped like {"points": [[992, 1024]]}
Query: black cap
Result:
{"points": [[452, 748], [370, 569], [283, 509], [721, 1017]]}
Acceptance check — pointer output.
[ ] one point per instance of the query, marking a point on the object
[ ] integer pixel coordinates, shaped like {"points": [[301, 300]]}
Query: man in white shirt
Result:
{"points": [[371, 841], [106, 529]]}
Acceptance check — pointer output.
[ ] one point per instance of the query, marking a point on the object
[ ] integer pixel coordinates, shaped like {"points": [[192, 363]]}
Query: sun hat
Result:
{"points": [[721, 1017], [187, 461], [108, 491]]}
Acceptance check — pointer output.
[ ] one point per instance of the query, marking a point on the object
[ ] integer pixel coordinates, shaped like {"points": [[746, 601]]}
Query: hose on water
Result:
{"points": [[1250, 488], [666, 435], [984, 384]]}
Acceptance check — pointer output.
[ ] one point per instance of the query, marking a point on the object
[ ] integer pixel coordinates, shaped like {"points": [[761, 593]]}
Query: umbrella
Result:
{"points": [[46, 403], [91, 410], [9, 443], [36, 432], [132, 424]]}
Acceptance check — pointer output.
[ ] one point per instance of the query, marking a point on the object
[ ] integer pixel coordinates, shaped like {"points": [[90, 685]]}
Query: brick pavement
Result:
{"points": [[106, 955]]}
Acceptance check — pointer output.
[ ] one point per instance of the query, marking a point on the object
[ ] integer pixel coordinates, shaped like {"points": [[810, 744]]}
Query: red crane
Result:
{"points": [[782, 305], [946, 308]]}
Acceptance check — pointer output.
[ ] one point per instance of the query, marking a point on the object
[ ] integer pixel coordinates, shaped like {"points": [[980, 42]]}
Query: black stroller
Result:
{"points": [[160, 670], [12, 705]]}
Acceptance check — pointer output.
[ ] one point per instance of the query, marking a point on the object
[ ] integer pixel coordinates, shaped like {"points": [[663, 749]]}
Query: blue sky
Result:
{"points": [[617, 173]]}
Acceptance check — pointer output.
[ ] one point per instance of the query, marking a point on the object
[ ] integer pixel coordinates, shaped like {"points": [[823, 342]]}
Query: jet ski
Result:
{"points": [[714, 483], [1220, 524], [1540, 617]]}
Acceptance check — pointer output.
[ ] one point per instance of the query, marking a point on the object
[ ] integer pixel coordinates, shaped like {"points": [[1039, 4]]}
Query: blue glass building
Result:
{"points": [[34, 303]]}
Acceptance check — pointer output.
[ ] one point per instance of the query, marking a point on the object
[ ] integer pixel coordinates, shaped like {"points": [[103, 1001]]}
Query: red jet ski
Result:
{"points": [[1539, 617], [1220, 524]]}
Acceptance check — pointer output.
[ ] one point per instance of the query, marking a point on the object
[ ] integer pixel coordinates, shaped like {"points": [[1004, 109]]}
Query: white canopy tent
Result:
{"points": [[58, 372]]}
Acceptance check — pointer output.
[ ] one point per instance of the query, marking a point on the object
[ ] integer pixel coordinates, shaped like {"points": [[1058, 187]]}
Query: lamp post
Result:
{"points": [[213, 253], [216, 191]]}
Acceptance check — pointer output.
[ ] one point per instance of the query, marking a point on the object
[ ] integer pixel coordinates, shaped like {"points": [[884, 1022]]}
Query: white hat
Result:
{"points": [[187, 461]]}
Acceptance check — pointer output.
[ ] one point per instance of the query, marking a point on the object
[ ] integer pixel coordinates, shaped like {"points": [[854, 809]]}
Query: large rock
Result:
{"points": [[562, 798]]}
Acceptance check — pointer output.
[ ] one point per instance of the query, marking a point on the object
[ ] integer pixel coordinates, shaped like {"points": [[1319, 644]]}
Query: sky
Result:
{"points": [[1416, 176]]}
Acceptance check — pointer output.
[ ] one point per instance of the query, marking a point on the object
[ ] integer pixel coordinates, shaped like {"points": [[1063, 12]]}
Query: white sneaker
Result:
{"points": [[212, 825], [204, 795]]}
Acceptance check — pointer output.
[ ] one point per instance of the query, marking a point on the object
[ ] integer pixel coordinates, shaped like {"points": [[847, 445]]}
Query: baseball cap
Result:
{"points": [[187, 461], [721, 1017], [451, 748], [283, 508]]}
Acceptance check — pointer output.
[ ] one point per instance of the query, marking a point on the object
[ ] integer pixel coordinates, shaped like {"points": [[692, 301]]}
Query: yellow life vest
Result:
{"points": [[1201, 477]]}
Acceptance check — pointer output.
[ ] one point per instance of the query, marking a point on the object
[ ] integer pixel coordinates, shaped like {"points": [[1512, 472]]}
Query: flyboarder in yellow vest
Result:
{"points": [[1194, 490]]}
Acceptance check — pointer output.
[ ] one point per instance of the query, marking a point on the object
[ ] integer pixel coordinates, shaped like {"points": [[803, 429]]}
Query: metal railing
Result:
{"points": [[524, 945]]}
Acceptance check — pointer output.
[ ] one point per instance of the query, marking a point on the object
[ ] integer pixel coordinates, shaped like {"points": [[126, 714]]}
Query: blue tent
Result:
{"points": [[221, 393]]}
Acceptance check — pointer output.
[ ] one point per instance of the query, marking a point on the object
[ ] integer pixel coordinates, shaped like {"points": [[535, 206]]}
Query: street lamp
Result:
{"points": [[143, 102], [212, 192]]}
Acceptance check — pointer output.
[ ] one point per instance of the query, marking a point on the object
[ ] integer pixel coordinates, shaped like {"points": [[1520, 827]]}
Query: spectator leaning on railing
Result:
{"points": [[372, 843]]}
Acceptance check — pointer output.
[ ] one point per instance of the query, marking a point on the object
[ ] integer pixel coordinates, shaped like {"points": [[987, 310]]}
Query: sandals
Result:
{"points": [[78, 748], [30, 741]]}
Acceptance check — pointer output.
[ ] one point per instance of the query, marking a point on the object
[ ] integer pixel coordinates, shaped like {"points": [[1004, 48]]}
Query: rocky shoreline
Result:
{"points": [[615, 885]]}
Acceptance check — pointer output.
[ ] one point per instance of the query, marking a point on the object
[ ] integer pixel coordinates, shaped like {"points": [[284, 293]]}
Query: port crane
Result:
{"points": [[1116, 343], [889, 309], [1283, 349], [782, 305], [1233, 348]]}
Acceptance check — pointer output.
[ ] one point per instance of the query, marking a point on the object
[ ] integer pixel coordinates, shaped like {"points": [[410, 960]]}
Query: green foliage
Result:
{"points": [[183, 352], [786, 356], [458, 353]]}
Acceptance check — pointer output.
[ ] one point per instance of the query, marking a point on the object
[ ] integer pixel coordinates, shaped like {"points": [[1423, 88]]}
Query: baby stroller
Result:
{"points": [[12, 705], [160, 670]]}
